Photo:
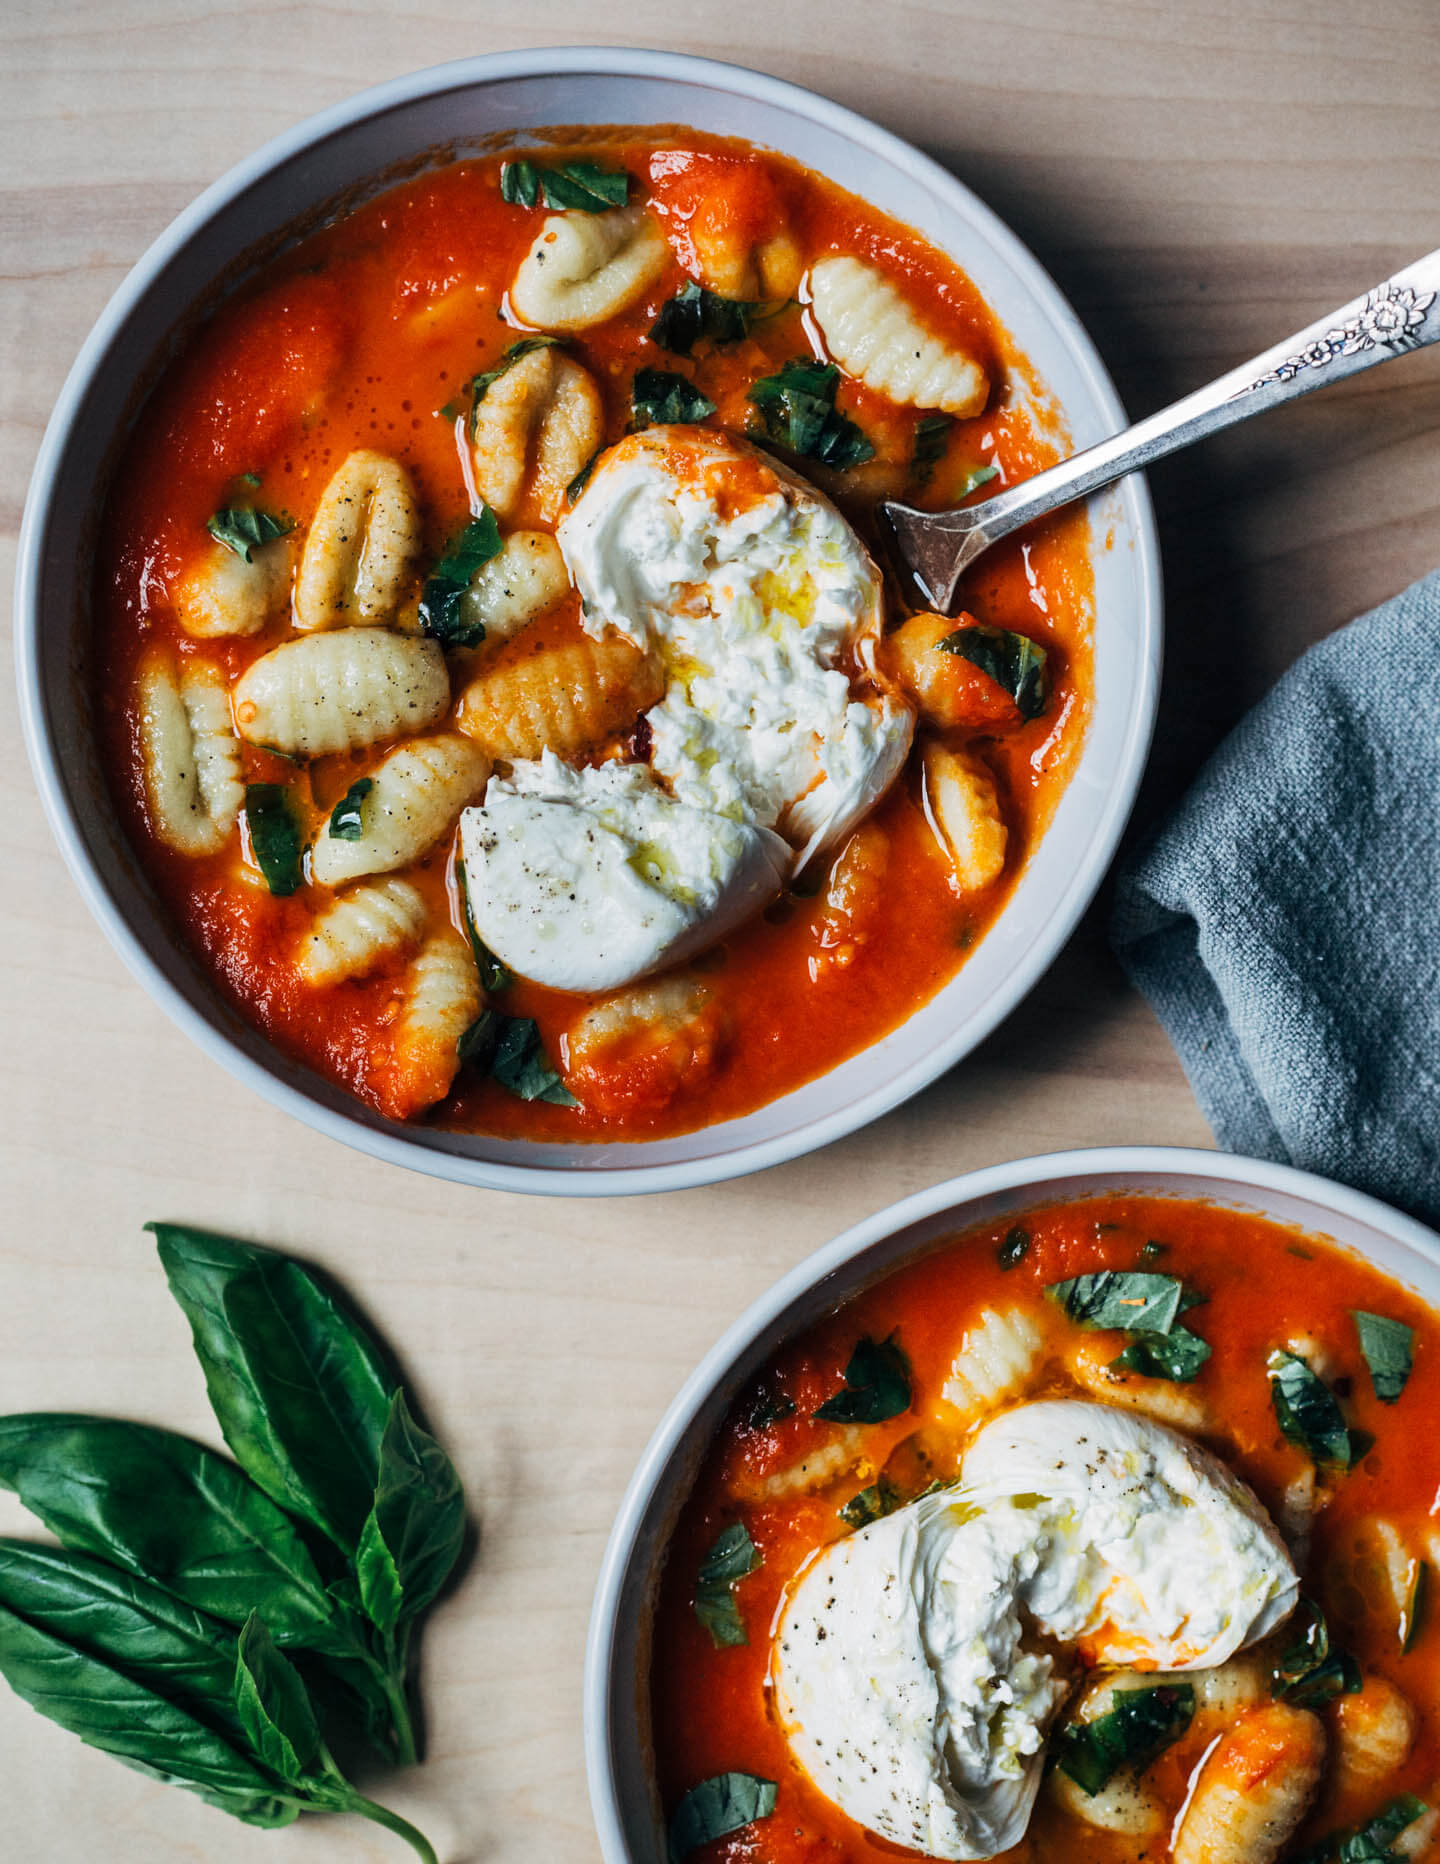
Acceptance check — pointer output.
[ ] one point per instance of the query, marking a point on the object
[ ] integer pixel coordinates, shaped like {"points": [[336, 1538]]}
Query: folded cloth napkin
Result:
{"points": [[1285, 921]]}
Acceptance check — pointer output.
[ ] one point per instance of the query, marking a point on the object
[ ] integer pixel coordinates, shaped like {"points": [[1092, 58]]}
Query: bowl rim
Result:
{"points": [[1113, 1164], [575, 1177]]}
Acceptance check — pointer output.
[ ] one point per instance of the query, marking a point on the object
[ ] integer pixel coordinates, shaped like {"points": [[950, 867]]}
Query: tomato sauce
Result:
{"points": [[366, 335], [1263, 1286]]}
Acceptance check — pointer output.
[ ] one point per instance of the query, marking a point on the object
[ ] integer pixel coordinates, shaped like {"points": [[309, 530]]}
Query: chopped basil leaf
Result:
{"points": [[1372, 1843], [732, 1556], [870, 1504], [1307, 1409], [521, 1065], [659, 395], [1153, 1251], [243, 528], [720, 1805], [1012, 660], [877, 1385], [347, 818], [1128, 1299], [275, 836], [476, 1047], [584, 186], [252, 479], [1389, 1349], [694, 313], [487, 377], [799, 412], [932, 436], [973, 480], [769, 1409], [1014, 1247], [1311, 1671], [1177, 1355], [1142, 1724], [444, 614], [582, 478], [493, 974]]}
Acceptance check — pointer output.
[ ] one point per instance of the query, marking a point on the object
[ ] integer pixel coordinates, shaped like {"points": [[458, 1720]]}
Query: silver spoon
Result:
{"points": [[1402, 314]]}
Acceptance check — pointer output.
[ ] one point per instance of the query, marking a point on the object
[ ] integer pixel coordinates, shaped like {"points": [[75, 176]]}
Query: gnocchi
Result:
{"points": [[1374, 1733], [998, 1359], [1254, 1789], [951, 693], [360, 930], [584, 267], [360, 550], [221, 594], [564, 698], [528, 577], [873, 334], [417, 795], [637, 1048], [341, 691], [1179, 1406], [842, 1455], [854, 897], [442, 998], [533, 431], [189, 754], [962, 807]]}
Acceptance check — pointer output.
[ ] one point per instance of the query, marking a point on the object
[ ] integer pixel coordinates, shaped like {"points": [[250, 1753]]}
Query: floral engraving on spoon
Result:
{"points": [[1391, 315]]}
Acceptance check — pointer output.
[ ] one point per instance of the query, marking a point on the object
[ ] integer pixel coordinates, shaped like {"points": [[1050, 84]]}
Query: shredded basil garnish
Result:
{"points": [[932, 436], [732, 1556], [871, 1504], [720, 1805], [1310, 1671], [578, 186], [1012, 660], [1307, 1410], [494, 975], [1141, 1724], [661, 396], [245, 528], [509, 1049], [488, 377], [1129, 1299], [974, 479], [582, 478], [1389, 1349], [877, 1385], [798, 409], [444, 615], [1015, 1247], [1178, 1355], [275, 836], [695, 313], [347, 818]]}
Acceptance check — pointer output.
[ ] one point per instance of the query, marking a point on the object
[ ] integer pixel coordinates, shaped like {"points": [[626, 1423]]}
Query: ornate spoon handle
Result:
{"points": [[1402, 314]]}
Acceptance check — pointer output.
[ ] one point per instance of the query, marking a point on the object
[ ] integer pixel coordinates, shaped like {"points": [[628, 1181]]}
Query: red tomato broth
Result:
{"points": [[367, 335], [1263, 1284]]}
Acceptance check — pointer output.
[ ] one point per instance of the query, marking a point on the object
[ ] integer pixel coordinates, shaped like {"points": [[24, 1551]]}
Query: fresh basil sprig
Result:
{"points": [[877, 1385], [412, 1535], [798, 409], [1141, 1724], [245, 528], [694, 314], [1013, 661], [445, 615], [275, 836], [732, 1557], [716, 1807], [660, 395], [1389, 1349], [579, 186]]}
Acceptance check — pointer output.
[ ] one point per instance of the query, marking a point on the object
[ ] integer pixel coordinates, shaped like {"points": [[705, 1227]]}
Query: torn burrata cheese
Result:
{"points": [[909, 1670], [584, 879]]}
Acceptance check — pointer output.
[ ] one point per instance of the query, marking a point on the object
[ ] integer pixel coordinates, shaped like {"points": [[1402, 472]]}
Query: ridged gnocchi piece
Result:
{"points": [[1179, 1406], [874, 335], [1374, 1733], [565, 698], [527, 577], [361, 548], [340, 691], [730, 265], [819, 1469], [1295, 1518], [189, 753], [1417, 1839], [950, 692], [417, 795], [442, 998], [533, 429], [997, 1360], [1254, 1789], [636, 1050], [1127, 1803], [584, 268], [221, 594], [853, 898], [962, 807], [1240, 1683], [361, 930]]}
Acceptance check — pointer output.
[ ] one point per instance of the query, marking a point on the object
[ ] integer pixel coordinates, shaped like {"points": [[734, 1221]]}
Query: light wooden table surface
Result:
{"points": [[1202, 177]]}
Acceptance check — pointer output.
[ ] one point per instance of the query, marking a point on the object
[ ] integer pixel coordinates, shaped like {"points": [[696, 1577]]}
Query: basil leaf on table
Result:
{"points": [[662, 396], [169, 1510], [798, 409], [347, 818], [1140, 1724], [275, 836], [717, 1806], [695, 313], [1389, 1349], [124, 1717], [273, 1705], [444, 612], [297, 1384], [1125, 1299], [1307, 1410], [877, 1385], [244, 528], [732, 1556], [1013, 661], [412, 1536], [583, 187]]}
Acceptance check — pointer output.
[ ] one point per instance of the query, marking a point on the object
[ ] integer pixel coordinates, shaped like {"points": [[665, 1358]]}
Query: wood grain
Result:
{"points": [[1201, 179]]}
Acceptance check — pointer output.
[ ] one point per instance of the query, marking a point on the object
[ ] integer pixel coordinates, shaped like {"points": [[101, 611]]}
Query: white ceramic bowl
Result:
{"points": [[344, 153], [623, 1795]]}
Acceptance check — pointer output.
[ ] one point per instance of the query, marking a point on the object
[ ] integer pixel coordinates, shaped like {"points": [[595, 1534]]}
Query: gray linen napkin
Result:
{"points": [[1285, 921]]}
